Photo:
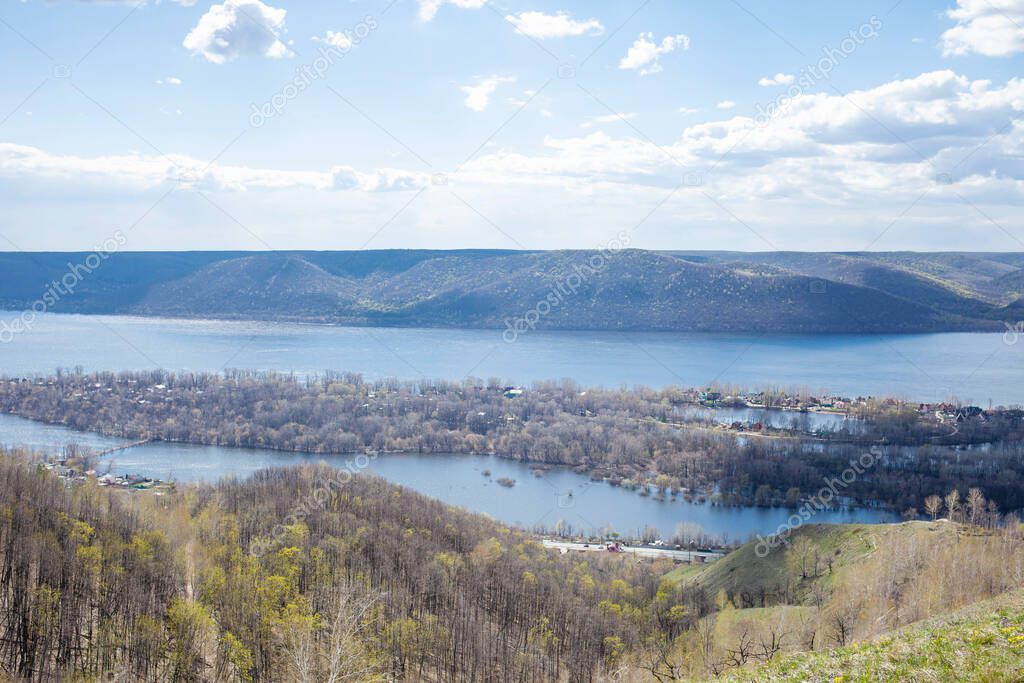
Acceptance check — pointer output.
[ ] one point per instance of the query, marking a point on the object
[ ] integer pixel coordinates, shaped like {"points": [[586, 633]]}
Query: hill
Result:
{"points": [[771, 292], [832, 588], [311, 573], [756, 574], [292, 574], [984, 642]]}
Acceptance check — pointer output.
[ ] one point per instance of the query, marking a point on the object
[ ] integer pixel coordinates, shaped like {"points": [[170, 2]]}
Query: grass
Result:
{"points": [[983, 643], [842, 546]]}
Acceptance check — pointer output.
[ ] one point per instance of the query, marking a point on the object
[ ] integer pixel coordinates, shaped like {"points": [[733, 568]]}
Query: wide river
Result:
{"points": [[553, 496], [976, 368]]}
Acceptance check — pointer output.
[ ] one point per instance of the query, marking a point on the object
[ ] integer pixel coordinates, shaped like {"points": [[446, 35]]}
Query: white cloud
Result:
{"points": [[819, 162], [994, 28], [148, 171], [479, 96], [687, 111], [778, 79], [238, 27], [429, 8], [335, 39], [896, 137], [607, 118], [558, 25], [170, 80], [644, 54], [822, 150], [726, 104]]}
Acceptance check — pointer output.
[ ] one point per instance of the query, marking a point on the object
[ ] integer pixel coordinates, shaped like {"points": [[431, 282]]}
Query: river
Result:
{"points": [[535, 499], [975, 367]]}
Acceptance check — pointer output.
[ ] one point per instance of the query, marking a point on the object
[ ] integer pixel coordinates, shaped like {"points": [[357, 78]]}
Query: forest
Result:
{"points": [[297, 574], [368, 581], [640, 438]]}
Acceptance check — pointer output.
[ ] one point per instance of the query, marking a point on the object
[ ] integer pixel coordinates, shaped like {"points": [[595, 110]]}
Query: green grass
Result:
{"points": [[983, 643], [841, 545]]}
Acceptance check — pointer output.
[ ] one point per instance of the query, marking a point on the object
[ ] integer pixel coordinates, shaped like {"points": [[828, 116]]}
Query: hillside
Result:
{"points": [[984, 642], [294, 574], [306, 574], [751, 579], [772, 292], [873, 602]]}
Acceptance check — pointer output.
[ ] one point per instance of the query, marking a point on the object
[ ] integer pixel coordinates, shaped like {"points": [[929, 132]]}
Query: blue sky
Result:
{"points": [[462, 123]]}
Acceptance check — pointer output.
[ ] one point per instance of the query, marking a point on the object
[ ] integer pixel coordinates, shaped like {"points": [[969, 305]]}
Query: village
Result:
{"points": [[73, 474], [943, 412], [656, 550]]}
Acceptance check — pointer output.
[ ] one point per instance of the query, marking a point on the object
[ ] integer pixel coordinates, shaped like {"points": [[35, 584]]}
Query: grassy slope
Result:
{"points": [[845, 544], [984, 642]]}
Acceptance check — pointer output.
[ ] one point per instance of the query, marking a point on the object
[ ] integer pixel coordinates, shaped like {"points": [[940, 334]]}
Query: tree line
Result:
{"points": [[638, 437]]}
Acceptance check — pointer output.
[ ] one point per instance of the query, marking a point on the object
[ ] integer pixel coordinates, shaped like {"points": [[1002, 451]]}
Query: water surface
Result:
{"points": [[556, 495], [976, 367]]}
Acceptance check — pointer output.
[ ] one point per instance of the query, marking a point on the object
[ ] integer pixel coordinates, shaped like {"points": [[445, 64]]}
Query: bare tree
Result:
{"points": [[975, 505], [953, 504]]}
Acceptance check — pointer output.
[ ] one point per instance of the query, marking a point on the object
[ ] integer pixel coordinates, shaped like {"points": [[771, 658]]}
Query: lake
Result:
{"points": [[975, 367], [455, 479]]}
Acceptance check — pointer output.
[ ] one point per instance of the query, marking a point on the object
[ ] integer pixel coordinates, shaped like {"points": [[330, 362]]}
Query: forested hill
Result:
{"points": [[781, 292]]}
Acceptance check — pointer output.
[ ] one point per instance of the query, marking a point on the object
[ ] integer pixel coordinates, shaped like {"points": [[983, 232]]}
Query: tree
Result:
{"points": [[802, 557], [976, 505], [933, 506], [190, 627], [953, 504]]}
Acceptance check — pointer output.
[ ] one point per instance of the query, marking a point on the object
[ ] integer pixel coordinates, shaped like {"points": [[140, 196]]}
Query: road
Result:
{"points": [[678, 555]]}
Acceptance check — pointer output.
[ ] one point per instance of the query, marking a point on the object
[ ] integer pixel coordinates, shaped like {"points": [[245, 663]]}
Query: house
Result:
{"points": [[709, 396]]}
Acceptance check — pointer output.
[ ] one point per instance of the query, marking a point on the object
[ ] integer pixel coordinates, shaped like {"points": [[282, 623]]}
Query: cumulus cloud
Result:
{"points": [[726, 104], [778, 79], [994, 28], [558, 25], [892, 145], [429, 8], [819, 161], [170, 80], [479, 96], [645, 54], [238, 27]]}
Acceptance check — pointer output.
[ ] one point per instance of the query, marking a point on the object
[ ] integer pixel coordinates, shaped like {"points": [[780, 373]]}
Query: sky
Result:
{"points": [[519, 124]]}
